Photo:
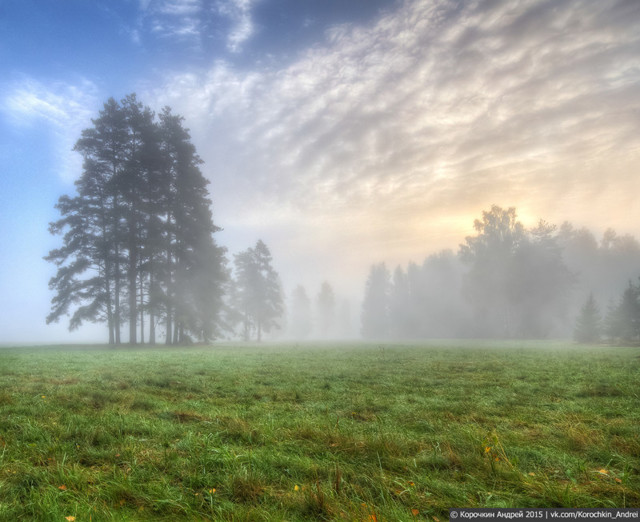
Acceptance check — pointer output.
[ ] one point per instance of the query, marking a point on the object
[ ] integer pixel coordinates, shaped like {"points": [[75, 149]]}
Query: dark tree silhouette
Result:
{"points": [[138, 237]]}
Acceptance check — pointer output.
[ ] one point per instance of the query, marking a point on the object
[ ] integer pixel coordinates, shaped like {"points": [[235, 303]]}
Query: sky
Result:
{"points": [[341, 133]]}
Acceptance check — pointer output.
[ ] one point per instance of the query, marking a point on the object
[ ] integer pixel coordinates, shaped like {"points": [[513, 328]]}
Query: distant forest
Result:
{"points": [[507, 281]]}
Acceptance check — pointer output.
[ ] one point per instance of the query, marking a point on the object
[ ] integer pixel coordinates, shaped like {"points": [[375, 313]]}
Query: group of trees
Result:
{"points": [[416, 302], [621, 322], [506, 281], [138, 236], [138, 239], [324, 319]]}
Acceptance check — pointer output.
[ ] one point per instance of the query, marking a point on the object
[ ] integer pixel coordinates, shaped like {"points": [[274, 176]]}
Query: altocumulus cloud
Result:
{"points": [[406, 128], [65, 108], [192, 20]]}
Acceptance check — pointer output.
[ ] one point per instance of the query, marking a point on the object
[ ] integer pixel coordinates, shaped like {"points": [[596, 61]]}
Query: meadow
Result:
{"points": [[316, 432]]}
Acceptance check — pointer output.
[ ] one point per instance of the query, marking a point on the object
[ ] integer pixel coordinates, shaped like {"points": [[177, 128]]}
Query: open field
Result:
{"points": [[316, 432]]}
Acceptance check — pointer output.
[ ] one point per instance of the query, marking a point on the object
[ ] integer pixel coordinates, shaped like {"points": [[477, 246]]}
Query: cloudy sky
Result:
{"points": [[342, 133]]}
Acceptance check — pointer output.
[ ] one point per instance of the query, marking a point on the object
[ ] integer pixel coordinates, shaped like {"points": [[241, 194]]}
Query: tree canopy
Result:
{"points": [[138, 244]]}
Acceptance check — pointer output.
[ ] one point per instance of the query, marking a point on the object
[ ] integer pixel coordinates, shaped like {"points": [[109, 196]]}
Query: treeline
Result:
{"points": [[138, 240], [505, 281]]}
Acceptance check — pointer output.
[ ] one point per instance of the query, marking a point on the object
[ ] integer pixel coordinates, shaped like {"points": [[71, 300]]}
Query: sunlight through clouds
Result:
{"points": [[438, 107]]}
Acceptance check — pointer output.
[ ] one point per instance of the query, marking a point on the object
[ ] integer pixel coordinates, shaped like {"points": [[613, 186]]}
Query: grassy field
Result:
{"points": [[316, 432]]}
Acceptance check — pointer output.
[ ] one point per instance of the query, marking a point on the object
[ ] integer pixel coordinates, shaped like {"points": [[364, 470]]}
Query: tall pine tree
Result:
{"points": [[138, 237]]}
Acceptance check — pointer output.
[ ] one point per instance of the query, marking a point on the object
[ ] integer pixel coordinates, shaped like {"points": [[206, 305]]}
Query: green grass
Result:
{"points": [[316, 432]]}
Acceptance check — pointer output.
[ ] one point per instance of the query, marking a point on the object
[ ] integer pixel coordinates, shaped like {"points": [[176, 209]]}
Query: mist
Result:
{"points": [[507, 281]]}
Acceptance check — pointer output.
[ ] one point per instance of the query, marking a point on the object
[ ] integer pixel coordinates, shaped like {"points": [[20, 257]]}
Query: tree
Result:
{"points": [[326, 303], [539, 284], [490, 256], [126, 255], [517, 282], [301, 323], [258, 294], [400, 306], [92, 241], [589, 322], [193, 266], [375, 307], [628, 314], [623, 319]]}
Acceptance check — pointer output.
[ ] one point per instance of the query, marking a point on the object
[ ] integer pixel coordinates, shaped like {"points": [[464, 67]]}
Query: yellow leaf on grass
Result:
{"points": [[62, 488], [487, 449], [70, 519], [603, 471], [212, 490], [296, 488]]}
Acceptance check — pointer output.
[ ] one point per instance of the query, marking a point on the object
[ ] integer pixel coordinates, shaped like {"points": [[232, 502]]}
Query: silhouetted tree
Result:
{"points": [[490, 256], [300, 317], [517, 282], [628, 314], [588, 323], [138, 237], [375, 307], [401, 311], [258, 294], [601, 267], [539, 284], [326, 305]]}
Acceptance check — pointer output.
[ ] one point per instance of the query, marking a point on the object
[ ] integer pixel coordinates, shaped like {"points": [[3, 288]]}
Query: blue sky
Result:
{"points": [[342, 133]]}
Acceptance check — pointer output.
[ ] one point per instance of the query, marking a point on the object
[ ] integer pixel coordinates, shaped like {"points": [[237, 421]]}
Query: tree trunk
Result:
{"points": [[117, 298], [152, 319], [169, 333], [133, 294], [141, 309]]}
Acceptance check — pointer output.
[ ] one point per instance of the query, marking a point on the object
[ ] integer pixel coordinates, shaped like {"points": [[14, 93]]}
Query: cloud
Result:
{"points": [[436, 109], [242, 28], [177, 19], [194, 20], [63, 108]]}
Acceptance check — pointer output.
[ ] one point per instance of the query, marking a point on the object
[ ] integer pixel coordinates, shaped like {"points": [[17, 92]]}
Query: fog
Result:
{"points": [[508, 281]]}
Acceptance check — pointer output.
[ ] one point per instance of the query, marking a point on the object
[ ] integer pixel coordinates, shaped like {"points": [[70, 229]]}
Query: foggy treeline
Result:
{"points": [[509, 281], [138, 252]]}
